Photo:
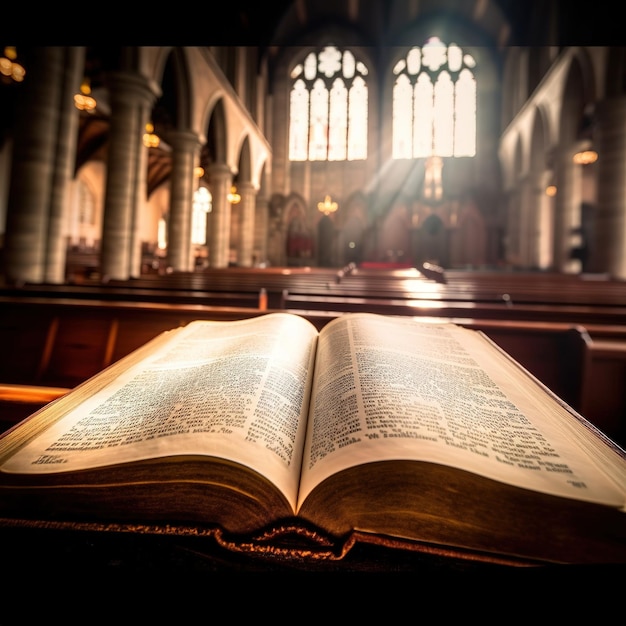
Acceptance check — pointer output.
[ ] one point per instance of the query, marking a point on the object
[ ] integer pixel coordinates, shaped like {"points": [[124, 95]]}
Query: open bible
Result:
{"points": [[272, 435]]}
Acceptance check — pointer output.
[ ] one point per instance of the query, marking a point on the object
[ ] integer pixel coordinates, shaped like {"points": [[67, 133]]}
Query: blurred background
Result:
{"points": [[471, 134]]}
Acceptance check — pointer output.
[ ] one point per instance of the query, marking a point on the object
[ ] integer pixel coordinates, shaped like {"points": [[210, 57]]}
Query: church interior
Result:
{"points": [[446, 159], [463, 134]]}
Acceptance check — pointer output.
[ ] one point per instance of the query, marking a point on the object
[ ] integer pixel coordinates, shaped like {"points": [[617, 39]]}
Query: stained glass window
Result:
{"points": [[434, 103], [328, 107]]}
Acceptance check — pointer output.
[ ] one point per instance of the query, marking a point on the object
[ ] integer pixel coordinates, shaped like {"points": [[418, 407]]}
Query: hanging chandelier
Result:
{"points": [[84, 101], [328, 206], [233, 197], [585, 157], [10, 69], [150, 139]]}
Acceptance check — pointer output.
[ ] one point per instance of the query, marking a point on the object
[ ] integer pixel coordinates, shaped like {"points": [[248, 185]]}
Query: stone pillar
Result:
{"points": [[245, 244], [567, 216], [42, 166], [220, 180], [132, 98], [65, 162], [545, 221], [534, 205], [513, 225], [607, 248], [185, 149], [140, 187], [525, 224]]}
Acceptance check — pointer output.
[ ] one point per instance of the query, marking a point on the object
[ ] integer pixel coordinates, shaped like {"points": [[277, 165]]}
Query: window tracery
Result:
{"points": [[328, 107], [434, 95]]}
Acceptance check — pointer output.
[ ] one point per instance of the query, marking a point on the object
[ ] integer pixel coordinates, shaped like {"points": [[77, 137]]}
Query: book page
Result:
{"points": [[394, 388], [237, 390]]}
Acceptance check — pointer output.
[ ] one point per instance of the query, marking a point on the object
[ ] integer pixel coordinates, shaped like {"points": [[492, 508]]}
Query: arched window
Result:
{"points": [[328, 107], [201, 206], [434, 103], [162, 232], [86, 205]]}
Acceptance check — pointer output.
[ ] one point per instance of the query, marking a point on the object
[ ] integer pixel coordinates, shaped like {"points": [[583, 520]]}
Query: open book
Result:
{"points": [[382, 429]]}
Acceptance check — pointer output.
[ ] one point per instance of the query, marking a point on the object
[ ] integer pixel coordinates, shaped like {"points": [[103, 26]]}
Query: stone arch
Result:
{"points": [[216, 134]]}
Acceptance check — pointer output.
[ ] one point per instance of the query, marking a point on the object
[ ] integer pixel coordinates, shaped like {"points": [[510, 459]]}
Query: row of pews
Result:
{"points": [[410, 290], [567, 330]]}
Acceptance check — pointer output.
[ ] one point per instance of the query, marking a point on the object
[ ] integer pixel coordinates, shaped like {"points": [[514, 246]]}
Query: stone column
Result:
{"points": [[567, 216], [220, 180], [185, 149], [245, 245], [42, 166], [140, 200], [545, 221], [534, 207], [513, 226], [607, 248], [60, 200], [132, 97], [526, 222]]}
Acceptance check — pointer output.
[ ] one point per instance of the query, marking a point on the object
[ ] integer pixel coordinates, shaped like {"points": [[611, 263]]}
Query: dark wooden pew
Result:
{"points": [[141, 290], [62, 341], [571, 313], [66, 344], [512, 287], [344, 287], [55, 344], [603, 385]]}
